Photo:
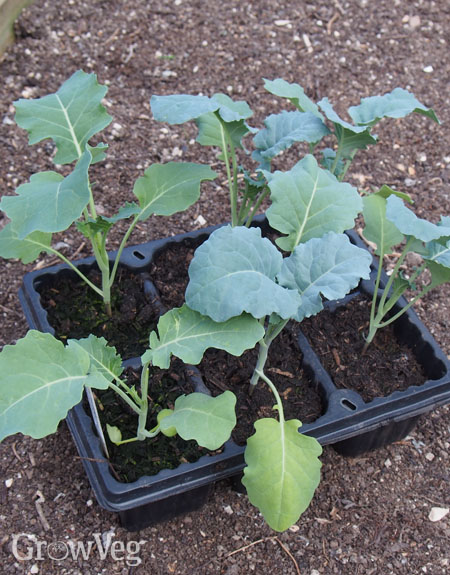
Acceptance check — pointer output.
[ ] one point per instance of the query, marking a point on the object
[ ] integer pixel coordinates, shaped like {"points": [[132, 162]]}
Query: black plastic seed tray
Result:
{"points": [[348, 423]]}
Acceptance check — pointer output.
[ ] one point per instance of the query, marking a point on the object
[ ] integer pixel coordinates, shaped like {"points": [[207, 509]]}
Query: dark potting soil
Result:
{"points": [[169, 271], [136, 459], [301, 400], [75, 310], [338, 339]]}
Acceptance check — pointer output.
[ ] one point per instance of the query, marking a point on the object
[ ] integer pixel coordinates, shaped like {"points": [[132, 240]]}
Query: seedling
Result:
{"points": [[388, 223], [41, 379], [237, 275], [51, 203], [222, 123]]}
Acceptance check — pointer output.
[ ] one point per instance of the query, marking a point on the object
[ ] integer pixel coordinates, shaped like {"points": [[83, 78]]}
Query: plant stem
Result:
{"points": [[125, 397], [256, 206], [112, 277], [141, 432], [272, 332], [75, 269], [276, 394], [230, 177]]}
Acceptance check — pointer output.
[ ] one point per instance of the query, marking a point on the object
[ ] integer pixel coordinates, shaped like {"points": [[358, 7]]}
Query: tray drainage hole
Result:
{"points": [[348, 404], [138, 255]]}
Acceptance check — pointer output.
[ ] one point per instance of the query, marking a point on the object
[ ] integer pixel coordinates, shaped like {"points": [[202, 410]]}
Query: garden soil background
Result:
{"points": [[370, 514]]}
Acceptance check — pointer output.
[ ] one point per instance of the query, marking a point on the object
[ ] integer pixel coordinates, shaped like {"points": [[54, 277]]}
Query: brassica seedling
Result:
{"points": [[41, 379], [50, 202], [222, 123], [388, 223], [236, 275]]}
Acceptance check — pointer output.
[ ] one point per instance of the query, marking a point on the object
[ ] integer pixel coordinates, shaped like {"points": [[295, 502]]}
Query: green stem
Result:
{"points": [[125, 397], [276, 394], [257, 205], [272, 332], [336, 158], [394, 273], [233, 194], [141, 432], [125, 238], [407, 306], [75, 269]]}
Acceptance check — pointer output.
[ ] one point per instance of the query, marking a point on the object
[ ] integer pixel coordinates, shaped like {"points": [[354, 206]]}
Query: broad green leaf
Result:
{"points": [[231, 111], [410, 225], [49, 202], [349, 141], [208, 420], [329, 266], [282, 130], [294, 93], [283, 471], [439, 274], [329, 112], [187, 334], [105, 361], [27, 249], [40, 380], [70, 116], [234, 272], [378, 229], [211, 132], [437, 251], [169, 188], [308, 201], [396, 104], [180, 108], [350, 137]]}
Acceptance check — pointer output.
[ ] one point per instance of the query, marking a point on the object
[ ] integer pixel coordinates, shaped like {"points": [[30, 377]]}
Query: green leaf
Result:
{"points": [[114, 434], [126, 211], [437, 251], [234, 272], [231, 111], [283, 471], [27, 249], [439, 274], [378, 229], [105, 362], [329, 266], [211, 132], [282, 130], [187, 334], [410, 225], [98, 152], [180, 108], [70, 117], [294, 93], [308, 201], [90, 227], [169, 188], [40, 380], [396, 104], [386, 191], [328, 159], [207, 420], [350, 137], [49, 202]]}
